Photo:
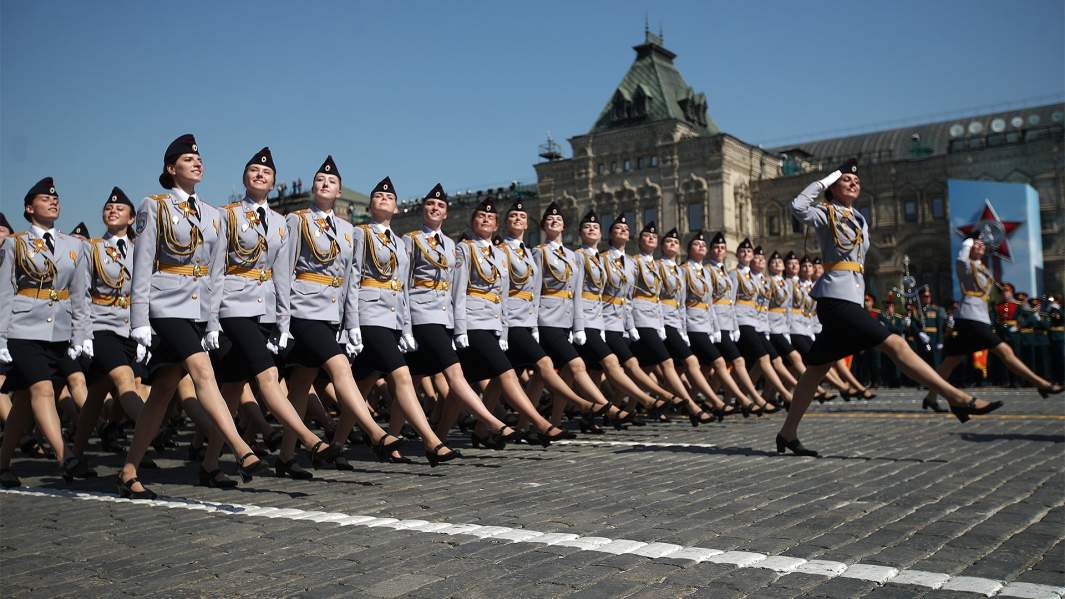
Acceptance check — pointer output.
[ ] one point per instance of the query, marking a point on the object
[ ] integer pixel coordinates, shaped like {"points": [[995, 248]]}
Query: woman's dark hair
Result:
{"points": [[166, 180]]}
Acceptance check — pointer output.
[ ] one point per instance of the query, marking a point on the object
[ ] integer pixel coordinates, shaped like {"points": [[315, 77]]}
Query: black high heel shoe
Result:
{"points": [[502, 439], [435, 458], [274, 440], [962, 413], [381, 449], [589, 427], [546, 438], [325, 456], [125, 490], [76, 467], [290, 469], [111, 437], [1053, 389], [247, 473], [477, 441], [697, 418], [795, 446], [8, 480], [931, 404], [207, 479], [846, 395]]}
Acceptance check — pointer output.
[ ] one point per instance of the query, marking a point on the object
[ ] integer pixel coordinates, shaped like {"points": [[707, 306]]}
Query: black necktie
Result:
{"points": [[439, 242], [332, 227], [49, 242], [192, 206], [122, 247], [262, 216]]}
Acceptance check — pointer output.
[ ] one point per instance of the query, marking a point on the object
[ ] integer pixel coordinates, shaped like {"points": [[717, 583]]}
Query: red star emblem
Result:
{"points": [[1000, 229]]}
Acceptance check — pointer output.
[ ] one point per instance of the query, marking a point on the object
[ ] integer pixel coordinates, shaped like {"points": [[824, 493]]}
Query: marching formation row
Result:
{"points": [[237, 308]]}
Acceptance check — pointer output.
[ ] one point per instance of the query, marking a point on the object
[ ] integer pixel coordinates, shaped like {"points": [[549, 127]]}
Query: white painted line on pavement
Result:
{"points": [[633, 443], [782, 564]]}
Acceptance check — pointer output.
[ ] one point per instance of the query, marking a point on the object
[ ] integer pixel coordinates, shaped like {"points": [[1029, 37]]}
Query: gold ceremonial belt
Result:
{"points": [[431, 284], [1027, 330], [723, 302], [747, 303], [646, 297], [1012, 323], [796, 312], [845, 265], [392, 285], [187, 270], [1057, 329], [588, 295], [485, 295], [314, 277], [121, 301], [779, 310], [564, 294], [250, 273], [669, 302], [45, 294], [525, 295], [979, 294], [931, 330], [699, 305], [614, 300]]}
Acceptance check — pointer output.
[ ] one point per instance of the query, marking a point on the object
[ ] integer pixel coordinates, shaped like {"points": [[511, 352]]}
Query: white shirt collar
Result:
{"points": [[513, 242], [615, 252], [39, 232], [554, 245], [379, 227], [182, 196], [481, 243], [743, 269], [430, 232], [251, 202], [667, 260], [114, 239], [321, 212], [591, 251]]}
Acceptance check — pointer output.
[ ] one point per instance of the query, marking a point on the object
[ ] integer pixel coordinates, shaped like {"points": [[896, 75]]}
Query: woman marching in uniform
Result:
{"points": [[252, 240], [481, 336], [377, 314], [433, 296], [44, 316], [773, 316], [843, 235], [314, 292], [972, 325], [172, 294], [753, 344]]}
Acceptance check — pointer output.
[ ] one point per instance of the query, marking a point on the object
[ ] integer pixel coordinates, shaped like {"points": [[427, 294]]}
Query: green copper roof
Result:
{"points": [[654, 90]]}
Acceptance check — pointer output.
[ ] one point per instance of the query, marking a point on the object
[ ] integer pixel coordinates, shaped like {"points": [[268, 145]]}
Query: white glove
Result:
{"points": [[1013, 329], [788, 337], [355, 336], [830, 179], [536, 334], [5, 354], [569, 337], [462, 341], [210, 341], [684, 336], [142, 335], [767, 336], [715, 337], [634, 334], [143, 355], [86, 348], [352, 349], [580, 338], [602, 335], [939, 346], [924, 337], [662, 333], [735, 336], [906, 321], [74, 351], [503, 345], [281, 343], [407, 343]]}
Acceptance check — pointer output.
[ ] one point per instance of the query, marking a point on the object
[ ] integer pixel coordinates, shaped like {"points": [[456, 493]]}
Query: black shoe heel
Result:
{"points": [[207, 479], [290, 469], [76, 467], [8, 480], [435, 458], [933, 405], [380, 449], [1053, 389], [324, 456], [795, 446], [249, 472], [125, 490], [962, 413]]}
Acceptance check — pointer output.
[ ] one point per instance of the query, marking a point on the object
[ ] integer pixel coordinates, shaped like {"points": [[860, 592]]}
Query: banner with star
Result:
{"points": [[1006, 217]]}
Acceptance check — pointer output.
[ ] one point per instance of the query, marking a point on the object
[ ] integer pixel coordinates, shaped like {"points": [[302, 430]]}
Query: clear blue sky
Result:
{"points": [[463, 92]]}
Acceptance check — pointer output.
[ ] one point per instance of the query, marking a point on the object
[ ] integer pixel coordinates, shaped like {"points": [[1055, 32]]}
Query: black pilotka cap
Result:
{"points": [[487, 205], [552, 210], [185, 144], [790, 256], [119, 197], [590, 217], [5, 224], [699, 236], [384, 186], [81, 230], [775, 256], [673, 234], [745, 245], [650, 227], [43, 187], [329, 168], [850, 166], [262, 158], [517, 206], [817, 261], [719, 238], [758, 251], [620, 220], [436, 193], [806, 260]]}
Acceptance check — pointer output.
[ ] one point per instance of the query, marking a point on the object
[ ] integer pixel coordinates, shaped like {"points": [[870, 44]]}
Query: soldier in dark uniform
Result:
{"points": [[1006, 328], [1034, 342], [935, 319], [894, 324]]}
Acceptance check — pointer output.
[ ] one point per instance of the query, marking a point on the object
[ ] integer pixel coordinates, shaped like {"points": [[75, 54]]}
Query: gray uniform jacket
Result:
{"points": [[724, 296], [798, 321], [249, 249], [671, 298], [173, 276], [698, 299], [44, 294], [432, 270], [976, 282], [481, 282], [591, 301], [378, 292], [562, 283], [617, 290], [110, 280], [843, 236], [779, 304], [312, 275], [748, 294], [761, 279], [647, 284], [524, 277]]}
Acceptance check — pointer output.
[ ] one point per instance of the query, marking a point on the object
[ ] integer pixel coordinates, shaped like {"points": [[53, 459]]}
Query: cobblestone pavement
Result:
{"points": [[903, 504]]}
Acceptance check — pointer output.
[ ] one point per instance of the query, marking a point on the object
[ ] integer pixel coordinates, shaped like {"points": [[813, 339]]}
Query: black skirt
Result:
{"points": [[802, 344], [175, 340], [483, 359], [110, 351], [753, 345], [846, 329], [970, 336], [649, 350], [703, 349], [594, 350], [619, 345], [523, 351], [678, 349], [315, 342], [727, 347], [781, 344], [247, 355], [32, 362], [380, 352], [435, 351], [555, 341]]}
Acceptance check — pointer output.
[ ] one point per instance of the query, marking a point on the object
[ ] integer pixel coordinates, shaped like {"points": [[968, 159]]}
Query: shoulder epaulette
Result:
{"points": [[231, 205], [160, 196], [410, 234]]}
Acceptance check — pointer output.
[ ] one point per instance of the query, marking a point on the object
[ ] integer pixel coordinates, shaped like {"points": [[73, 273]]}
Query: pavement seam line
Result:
{"points": [[780, 564]]}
